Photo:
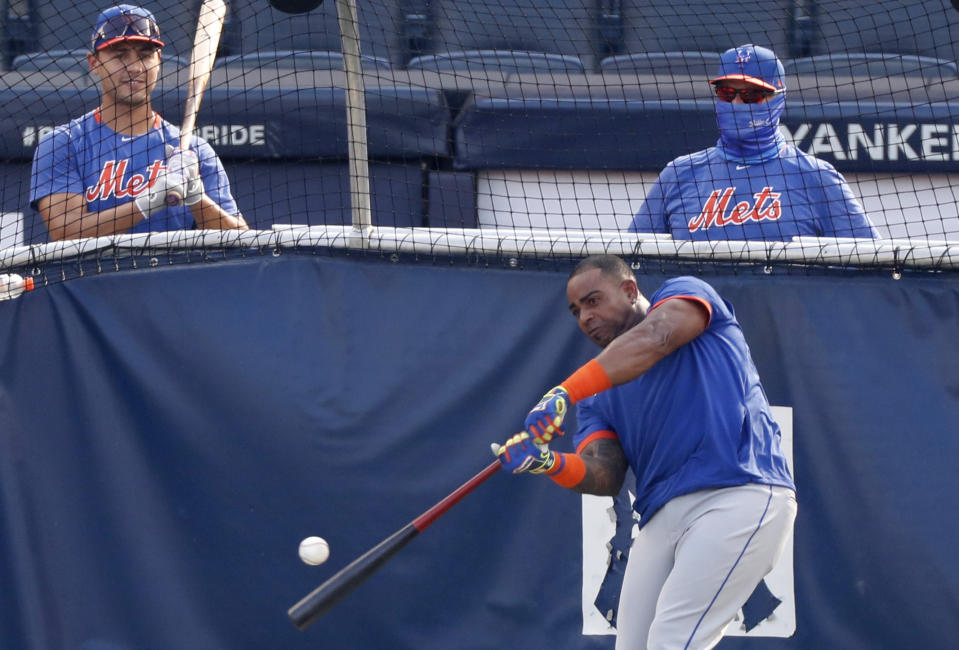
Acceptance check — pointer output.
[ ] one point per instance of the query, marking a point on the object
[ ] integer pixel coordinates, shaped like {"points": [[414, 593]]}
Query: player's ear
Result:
{"points": [[631, 289]]}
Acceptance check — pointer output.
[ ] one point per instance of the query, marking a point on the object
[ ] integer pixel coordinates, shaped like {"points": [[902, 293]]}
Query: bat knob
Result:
{"points": [[173, 199]]}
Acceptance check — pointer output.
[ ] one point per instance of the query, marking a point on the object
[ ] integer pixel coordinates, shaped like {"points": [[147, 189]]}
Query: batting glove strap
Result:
{"points": [[587, 381]]}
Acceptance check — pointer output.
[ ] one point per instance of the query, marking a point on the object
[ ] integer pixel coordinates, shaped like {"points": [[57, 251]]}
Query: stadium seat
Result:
{"points": [[53, 61], [694, 63], [296, 60], [560, 27], [72, 61], [707, 25], [263, 28], [497, 61], [862, 64], [917, 27]]}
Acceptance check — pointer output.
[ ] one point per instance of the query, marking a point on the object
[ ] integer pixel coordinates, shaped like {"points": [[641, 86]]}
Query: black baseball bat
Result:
{"points": [[323, 598]]}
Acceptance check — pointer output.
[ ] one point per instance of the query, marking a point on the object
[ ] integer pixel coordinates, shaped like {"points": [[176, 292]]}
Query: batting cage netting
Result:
{"points": [[516, 128], [392, 193]]}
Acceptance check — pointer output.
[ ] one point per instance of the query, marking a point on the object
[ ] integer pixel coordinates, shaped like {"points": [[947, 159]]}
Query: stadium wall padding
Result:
{"points": [[168, 434], [523, 121]]}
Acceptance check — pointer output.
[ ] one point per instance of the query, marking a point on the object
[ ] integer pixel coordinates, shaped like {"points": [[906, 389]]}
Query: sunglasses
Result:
{"points": [[126, 26], [748, 95]]}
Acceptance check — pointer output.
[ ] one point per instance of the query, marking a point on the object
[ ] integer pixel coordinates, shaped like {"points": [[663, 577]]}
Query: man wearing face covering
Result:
{"points": [[752, 184]]}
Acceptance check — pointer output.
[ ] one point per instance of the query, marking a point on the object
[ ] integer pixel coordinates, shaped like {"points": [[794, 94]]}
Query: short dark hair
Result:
{"points": [[612, 265]]}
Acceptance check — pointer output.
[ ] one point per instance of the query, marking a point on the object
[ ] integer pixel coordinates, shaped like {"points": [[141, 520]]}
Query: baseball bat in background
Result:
{"points": [[209, 26], [323, 598]]}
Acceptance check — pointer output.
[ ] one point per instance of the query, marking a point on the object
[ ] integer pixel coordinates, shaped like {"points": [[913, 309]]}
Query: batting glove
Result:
{"points": [[520, 454], [186, 164], [153, 199], [546, 418]]}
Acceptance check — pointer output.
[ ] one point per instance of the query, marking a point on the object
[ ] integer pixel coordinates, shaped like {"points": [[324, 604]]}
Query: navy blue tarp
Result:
{"points": [[169, 434]]}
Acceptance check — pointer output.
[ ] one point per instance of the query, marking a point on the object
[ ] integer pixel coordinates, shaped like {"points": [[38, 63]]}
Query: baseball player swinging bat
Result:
{"points": [[320, 600], [209, 26]]}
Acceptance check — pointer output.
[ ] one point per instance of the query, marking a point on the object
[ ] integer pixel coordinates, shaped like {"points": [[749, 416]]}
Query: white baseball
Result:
{"points": [[314, 550]]}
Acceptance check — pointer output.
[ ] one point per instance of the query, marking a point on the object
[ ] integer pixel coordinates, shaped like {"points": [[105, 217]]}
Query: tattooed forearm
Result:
{"points": [[605, 468]]}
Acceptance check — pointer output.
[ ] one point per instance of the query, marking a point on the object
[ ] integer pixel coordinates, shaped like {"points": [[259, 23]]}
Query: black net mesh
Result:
{"points": [[508, 129]]}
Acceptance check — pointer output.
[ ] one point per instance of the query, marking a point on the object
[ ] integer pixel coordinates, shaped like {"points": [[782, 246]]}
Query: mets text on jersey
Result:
{"points": [[716, 212], [112, 183]]}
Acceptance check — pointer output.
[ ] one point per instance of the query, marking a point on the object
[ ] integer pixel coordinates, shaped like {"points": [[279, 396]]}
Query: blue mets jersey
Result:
{"points": [[696, 420], [703, 196], [87, 157]]}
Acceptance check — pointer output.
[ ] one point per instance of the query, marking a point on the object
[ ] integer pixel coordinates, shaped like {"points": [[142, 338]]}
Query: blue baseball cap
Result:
{"points": [[754, 64], [125, 23]]}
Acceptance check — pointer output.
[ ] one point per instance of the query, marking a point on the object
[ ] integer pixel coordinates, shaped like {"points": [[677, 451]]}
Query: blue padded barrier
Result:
{"points": [[256, 122], [452, 200], [578, 123], [316, 193], [583, 123]]}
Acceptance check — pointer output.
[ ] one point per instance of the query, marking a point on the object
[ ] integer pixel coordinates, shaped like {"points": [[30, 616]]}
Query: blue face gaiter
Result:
{"points": [[749, 133]]}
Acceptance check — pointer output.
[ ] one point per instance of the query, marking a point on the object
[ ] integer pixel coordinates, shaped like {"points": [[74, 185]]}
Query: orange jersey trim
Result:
{"points": [[594, 436], [704, 303], [157, 120]]}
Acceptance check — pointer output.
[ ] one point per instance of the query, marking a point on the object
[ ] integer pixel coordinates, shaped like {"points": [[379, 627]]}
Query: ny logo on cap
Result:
{"points": [[742, 55]]}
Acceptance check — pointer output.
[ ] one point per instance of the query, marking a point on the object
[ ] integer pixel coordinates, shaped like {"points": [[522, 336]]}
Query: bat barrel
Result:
{"points": [[320, 600], [312, 606]]}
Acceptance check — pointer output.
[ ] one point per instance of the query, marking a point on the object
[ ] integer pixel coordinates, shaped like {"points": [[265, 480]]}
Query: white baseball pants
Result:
{"points": [[696, 562]]}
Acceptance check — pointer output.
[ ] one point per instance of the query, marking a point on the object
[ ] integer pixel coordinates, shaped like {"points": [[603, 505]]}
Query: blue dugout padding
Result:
{"points": [[260, 119], [642, 123], [168, 434], [310, 192], [529, 121]]}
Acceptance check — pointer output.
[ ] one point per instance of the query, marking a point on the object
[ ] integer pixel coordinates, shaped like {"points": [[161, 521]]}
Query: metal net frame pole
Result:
{"points": [[360, 211]]}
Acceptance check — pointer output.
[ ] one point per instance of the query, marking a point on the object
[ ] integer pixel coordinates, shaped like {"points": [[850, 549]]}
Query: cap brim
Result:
{"points": [[140, 39], [745, 77]]}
